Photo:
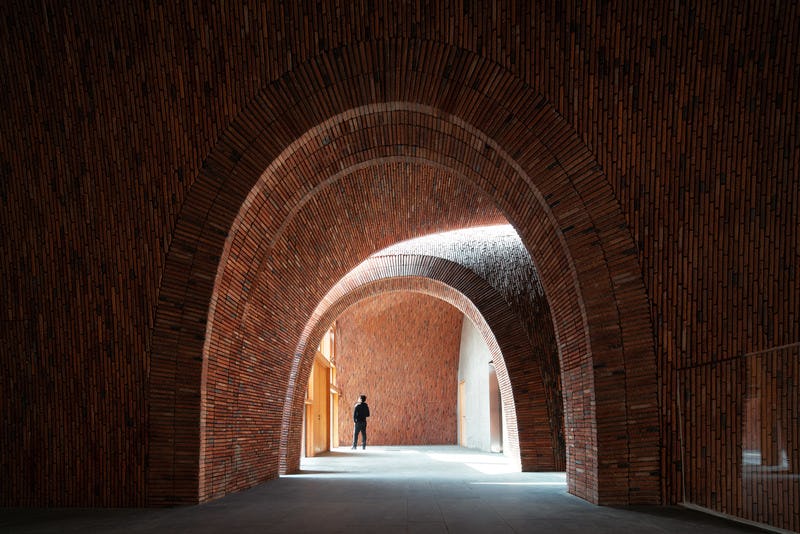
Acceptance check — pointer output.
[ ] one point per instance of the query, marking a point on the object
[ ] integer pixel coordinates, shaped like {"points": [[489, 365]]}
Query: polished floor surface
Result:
{"points": [[386, 490]]}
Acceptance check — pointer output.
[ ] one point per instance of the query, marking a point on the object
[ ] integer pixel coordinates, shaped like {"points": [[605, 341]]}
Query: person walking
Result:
{"points": [[360, 414]]}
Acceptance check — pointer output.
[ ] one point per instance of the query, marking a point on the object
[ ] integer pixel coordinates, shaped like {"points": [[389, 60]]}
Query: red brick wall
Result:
{"points": [[653, 176], [401, 351]]}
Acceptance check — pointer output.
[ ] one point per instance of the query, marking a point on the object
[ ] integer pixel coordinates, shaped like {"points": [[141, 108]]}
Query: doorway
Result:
{"points": [[322, 399]]}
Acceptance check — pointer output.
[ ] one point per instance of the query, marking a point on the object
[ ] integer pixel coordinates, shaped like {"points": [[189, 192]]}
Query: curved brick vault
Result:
{"points": [[132, 139], [534, 429], [309, 180]]}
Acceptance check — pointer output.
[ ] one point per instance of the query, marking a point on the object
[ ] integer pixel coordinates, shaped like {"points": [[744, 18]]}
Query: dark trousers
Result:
{"points": [[362, 428]]}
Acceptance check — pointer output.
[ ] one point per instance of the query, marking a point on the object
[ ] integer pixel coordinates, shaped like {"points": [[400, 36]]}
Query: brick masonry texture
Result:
{"points": [[401, 350], [533, 436], [180, 186], [497, 256]]}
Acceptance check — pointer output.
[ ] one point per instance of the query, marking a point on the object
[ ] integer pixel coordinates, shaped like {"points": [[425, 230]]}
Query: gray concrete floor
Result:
{"points": [[385, 490]]}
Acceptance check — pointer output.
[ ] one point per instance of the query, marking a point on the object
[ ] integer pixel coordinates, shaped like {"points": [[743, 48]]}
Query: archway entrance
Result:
{"points": [[461, 268], [236, 288]]}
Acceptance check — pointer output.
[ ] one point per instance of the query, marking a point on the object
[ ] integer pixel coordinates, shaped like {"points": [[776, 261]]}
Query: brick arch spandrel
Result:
{"points": [[501, 329], [555, 195]]}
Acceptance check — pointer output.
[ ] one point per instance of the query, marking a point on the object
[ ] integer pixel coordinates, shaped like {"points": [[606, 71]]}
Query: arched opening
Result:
{"points": [[405, 348], [234, 290], [480, 272], [408, 350]]}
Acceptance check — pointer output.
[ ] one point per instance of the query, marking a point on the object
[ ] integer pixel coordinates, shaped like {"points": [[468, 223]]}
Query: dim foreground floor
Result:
{"points": [[386, 490]]}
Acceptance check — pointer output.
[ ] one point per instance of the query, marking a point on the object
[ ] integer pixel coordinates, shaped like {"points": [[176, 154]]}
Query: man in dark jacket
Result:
{"points": [[360, 414]]}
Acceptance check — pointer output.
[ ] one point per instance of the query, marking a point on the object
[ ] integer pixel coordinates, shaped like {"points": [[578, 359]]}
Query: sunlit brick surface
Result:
{"points": [[401, 350]]}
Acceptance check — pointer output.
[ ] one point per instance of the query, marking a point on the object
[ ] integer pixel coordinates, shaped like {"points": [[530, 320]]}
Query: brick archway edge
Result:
{"points": [[517, 150]]}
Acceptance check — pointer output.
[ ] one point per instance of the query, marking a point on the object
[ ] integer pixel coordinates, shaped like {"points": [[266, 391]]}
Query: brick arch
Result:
{"points": [[254, 335], [508, 145], [531, 443]]}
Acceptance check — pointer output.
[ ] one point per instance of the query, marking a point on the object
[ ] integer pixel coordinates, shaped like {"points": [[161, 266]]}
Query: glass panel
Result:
{"points": [[741, 437]]}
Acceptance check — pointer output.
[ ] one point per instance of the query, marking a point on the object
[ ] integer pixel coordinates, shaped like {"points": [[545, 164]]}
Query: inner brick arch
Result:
{"points": [[515, 149], [257, 346], [521, 384]]}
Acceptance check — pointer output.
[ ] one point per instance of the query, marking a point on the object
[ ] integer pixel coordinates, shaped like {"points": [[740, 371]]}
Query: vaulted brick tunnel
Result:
{"points": [[518, 358], [382, 186], [487, 274], [182, 186]]}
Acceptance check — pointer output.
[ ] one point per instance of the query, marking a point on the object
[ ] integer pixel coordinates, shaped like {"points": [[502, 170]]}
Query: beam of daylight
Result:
{"points": [[564, 484]]}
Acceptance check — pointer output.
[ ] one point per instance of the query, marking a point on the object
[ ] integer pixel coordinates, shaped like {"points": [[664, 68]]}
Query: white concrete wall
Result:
{"points": [[482, 409]]}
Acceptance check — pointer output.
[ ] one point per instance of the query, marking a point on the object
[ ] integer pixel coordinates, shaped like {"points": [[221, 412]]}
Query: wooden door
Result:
{"points": [[318, 409], [321, 410]]}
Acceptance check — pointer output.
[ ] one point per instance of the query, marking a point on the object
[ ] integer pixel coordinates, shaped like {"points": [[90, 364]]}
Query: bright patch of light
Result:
{"points": [[432, 243], [520, 483], [488, 465], [492, 469], [466, 458]]}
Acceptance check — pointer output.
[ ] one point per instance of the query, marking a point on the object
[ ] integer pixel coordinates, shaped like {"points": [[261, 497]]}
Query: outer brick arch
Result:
{"points": [[531, 443], [517, 150]]}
